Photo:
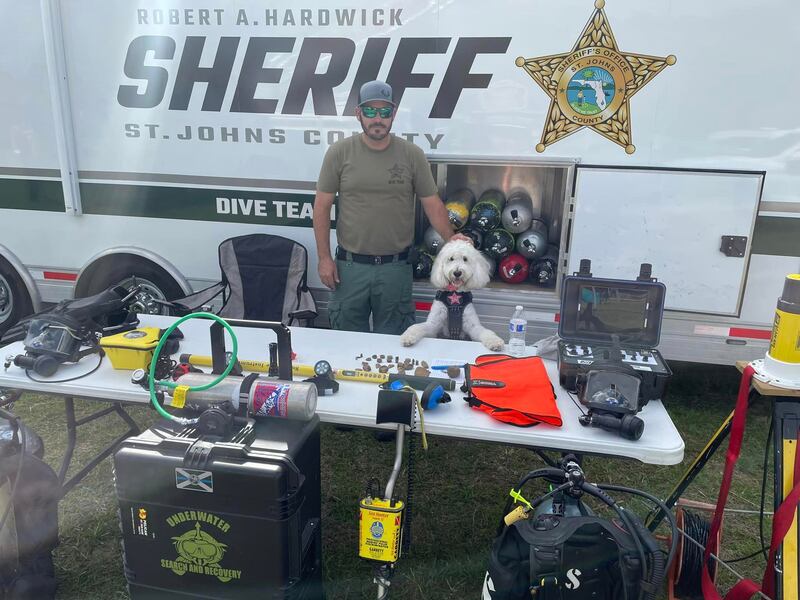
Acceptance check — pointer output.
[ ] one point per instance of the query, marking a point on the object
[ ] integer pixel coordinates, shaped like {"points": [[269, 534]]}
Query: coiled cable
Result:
{"points": [[690, 567]]}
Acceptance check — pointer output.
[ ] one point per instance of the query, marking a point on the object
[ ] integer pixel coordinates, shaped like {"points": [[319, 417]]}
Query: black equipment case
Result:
{"points": [[238, 518], [604, 320]]}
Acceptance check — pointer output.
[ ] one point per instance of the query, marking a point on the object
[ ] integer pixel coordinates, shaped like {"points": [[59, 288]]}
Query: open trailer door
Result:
{"points": [[694, 227]]}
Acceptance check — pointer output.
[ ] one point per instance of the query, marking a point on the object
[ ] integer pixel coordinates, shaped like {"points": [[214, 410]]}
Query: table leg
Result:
{"points": [[72, 435]]}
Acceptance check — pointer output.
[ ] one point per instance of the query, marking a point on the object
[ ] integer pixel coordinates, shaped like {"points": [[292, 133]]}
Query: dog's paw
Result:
{"points": [[492, 341], [411, 335]]}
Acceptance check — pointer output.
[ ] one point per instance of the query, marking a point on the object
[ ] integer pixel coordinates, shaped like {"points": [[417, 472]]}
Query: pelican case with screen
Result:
{"points": [[232, 518], [605, 321]]}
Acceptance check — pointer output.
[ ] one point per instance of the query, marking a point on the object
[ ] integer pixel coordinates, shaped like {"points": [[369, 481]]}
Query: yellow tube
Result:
{"points": [[785, 341]]}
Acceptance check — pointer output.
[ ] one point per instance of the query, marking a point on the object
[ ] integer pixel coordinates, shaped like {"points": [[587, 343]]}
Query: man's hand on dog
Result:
{"points": [[328, 273], [460, 236]]}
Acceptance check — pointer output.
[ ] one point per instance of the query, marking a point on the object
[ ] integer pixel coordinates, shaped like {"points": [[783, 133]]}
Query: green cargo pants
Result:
{"points": [[383, 290]]}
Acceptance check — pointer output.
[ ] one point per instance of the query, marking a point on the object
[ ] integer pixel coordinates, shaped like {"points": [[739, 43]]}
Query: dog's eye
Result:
{"points": [[450, 259], [465, 259]]}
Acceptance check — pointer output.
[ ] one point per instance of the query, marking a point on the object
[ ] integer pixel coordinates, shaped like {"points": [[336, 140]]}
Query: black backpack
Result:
{"points": [[564, 558], [30, 531]]}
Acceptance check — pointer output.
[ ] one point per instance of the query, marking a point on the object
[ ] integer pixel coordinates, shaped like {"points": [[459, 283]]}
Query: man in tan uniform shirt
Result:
{"points": [[376, 176]]}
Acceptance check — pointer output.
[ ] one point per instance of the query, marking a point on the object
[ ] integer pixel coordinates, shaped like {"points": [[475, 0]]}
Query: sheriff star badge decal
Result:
{"points": [[591, 85]]}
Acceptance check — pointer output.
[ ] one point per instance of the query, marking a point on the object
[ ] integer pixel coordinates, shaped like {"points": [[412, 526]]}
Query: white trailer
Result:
{"points": [[137, 136]]}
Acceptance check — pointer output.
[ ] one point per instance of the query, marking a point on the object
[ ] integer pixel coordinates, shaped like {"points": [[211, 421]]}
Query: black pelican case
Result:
{"points": [[238, 518]]}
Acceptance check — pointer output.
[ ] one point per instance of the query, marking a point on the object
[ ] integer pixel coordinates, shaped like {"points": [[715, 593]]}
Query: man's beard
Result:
{"points": [[376, 132]]}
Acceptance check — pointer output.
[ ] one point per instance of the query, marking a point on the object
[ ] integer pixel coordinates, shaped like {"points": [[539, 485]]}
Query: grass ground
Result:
{"points": [[458, 498]]}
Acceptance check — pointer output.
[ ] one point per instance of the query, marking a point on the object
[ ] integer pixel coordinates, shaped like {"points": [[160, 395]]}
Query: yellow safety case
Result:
{"points": [[380, 529], [133, 349]]}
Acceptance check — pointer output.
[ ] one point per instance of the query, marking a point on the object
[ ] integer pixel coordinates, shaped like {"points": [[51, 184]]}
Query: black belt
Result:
{"points": [[371, 259]]}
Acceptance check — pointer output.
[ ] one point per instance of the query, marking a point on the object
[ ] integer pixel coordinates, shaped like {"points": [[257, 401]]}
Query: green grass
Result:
{"points": [[459, 495]]}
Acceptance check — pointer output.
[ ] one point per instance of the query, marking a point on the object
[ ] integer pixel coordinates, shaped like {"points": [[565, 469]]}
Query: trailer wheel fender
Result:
{"points": [[125, 270], [18, 294]]}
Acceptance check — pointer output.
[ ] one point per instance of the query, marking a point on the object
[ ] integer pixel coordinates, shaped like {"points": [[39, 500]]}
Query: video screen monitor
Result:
{"points": [[604, 309], [595, 309]]}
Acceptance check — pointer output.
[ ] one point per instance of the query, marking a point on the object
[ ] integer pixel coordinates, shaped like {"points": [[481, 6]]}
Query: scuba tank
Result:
{"points": [[533, 242], [433, 241], [487, 212], [423, 264], [518, 213], [514, 268], [492, 264], [458, 205], [498, 243], [265, 396], [545, 269], [476, 235]]}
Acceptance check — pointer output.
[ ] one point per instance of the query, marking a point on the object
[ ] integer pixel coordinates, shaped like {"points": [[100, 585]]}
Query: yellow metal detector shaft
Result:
{"points": [[261, 366]]}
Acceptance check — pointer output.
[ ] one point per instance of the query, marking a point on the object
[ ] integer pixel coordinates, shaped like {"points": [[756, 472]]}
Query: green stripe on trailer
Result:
{"points": [[31, 194], [777, 236], [198, 204]]}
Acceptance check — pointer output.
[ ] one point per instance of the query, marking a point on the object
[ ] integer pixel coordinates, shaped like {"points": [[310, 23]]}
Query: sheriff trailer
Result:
{"points": [[136, 136]]}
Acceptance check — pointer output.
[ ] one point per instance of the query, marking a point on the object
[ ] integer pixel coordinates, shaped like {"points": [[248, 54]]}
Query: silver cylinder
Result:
{"points": [[266, 397], [518, 213], [533, 242]]}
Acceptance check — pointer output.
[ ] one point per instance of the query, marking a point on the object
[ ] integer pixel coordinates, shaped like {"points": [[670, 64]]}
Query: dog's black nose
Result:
{"points": [[457, 274]]}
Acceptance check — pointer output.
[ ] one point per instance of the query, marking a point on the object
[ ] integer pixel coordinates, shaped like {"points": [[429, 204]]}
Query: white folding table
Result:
{"points": [[355, 402]]}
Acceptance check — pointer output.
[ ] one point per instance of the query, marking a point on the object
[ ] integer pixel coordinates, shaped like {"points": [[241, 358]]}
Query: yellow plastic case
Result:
{"points": [[133, 349], [380, 529]]}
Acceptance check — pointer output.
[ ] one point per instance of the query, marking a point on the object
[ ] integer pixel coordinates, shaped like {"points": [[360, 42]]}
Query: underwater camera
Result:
{"points": [[612, 396]]}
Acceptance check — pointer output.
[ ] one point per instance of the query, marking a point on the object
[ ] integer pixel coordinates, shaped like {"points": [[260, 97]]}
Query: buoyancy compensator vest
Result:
{"points": [[557, 548]]}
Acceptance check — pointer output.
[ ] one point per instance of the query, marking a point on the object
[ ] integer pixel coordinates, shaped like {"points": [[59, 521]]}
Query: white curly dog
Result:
{"points": [[457, 269]]}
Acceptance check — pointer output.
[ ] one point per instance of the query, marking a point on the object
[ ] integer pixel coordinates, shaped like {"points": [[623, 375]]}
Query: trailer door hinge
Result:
{"points": [[733, 245]]}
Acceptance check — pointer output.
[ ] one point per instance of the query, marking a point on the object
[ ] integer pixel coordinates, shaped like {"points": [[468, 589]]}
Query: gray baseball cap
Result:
{"points": [[375, 90]]}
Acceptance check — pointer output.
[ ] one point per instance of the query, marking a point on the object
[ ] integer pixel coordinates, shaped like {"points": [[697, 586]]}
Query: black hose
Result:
{"points": [[626, 519], [658, 502], [767, 446], [657, 576], [555, 474]]}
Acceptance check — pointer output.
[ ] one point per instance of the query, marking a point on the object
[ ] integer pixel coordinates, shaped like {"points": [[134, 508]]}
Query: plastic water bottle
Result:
{"points": [[516, 332]]}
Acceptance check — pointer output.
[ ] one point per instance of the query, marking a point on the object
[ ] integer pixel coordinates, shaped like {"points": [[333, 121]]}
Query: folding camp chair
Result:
{"points": [[263, 278]]}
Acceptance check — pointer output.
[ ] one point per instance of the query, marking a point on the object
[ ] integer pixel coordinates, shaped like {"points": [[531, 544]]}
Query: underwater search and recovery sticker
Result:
{"points": [[199, 552], [194, 480]]}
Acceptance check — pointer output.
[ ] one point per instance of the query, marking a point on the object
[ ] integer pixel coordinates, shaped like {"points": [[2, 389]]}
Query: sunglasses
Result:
{"points": [[371, 112]]}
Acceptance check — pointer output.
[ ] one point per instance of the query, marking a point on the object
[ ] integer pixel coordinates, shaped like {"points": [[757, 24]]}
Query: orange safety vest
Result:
{"points": [[512, 390]]}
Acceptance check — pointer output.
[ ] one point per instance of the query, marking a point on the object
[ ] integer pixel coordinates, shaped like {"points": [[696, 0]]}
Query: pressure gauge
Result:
{"points": [[323, 369]]}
